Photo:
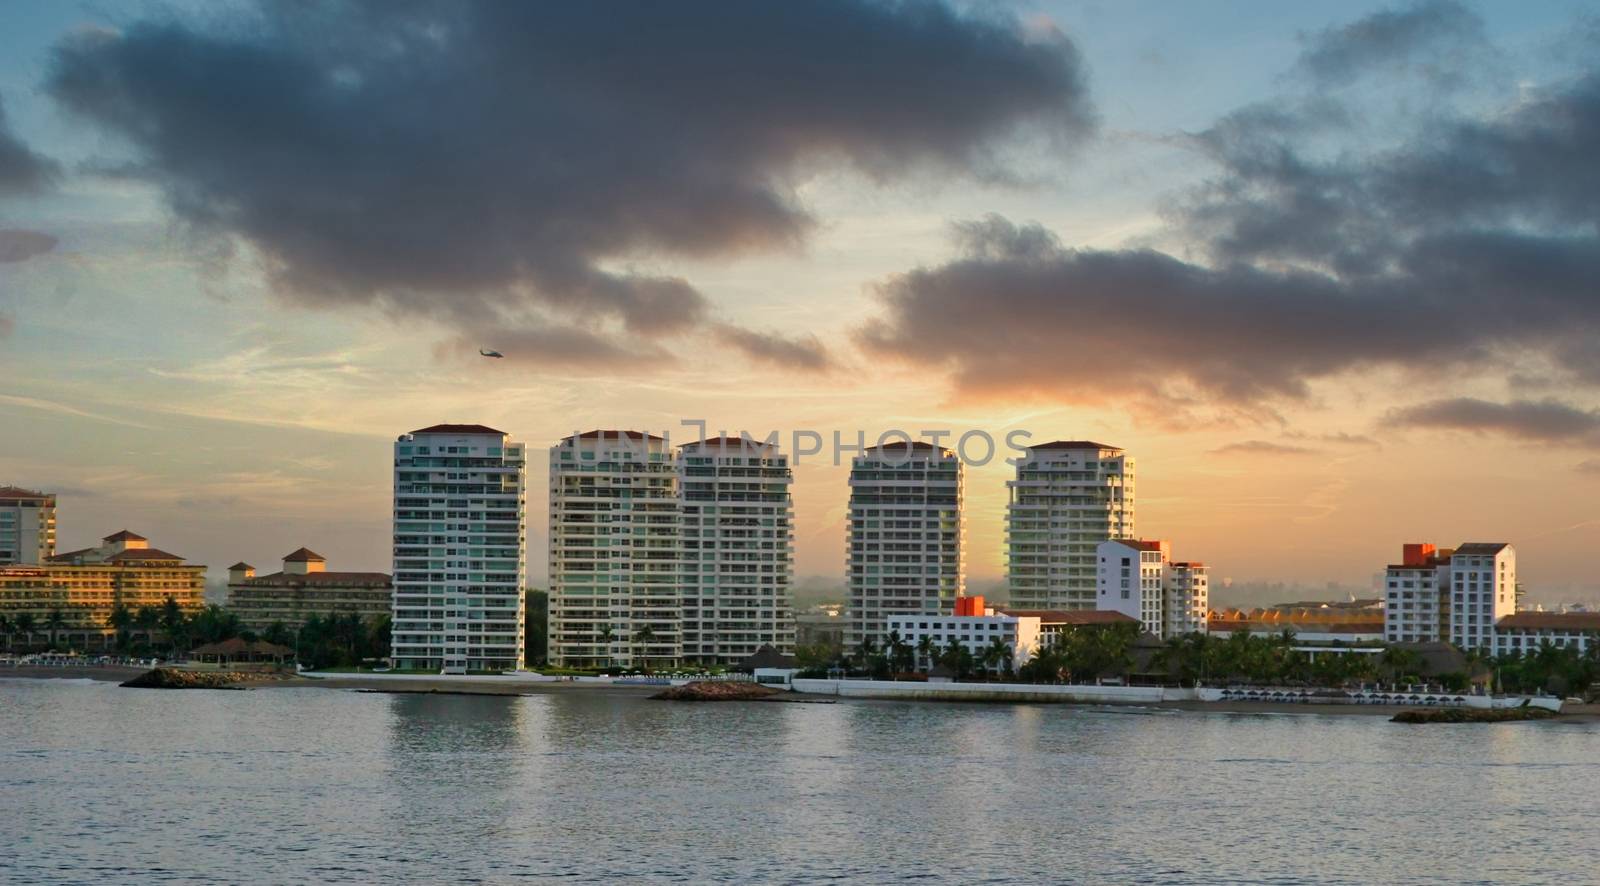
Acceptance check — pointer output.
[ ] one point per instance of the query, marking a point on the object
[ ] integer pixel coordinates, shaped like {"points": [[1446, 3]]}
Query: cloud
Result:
{"points": [[19, 245], [1439, 36], [491, 164], [558, 348], [1262, 447], [1467, 246], [1589, 466], [1340, 438], [1540, 421], [21, 170], [800, 352]]}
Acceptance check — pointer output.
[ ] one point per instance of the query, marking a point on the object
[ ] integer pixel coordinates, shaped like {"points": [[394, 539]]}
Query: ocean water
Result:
{"points": [[107, 785]]}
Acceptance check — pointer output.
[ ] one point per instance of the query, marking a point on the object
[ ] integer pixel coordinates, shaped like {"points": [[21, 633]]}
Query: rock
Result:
{"points": [[1472, 715], [717, 692], [172, 678]]}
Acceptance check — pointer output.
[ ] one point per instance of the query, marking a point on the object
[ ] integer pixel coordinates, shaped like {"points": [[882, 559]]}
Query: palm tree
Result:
{"points": [[604, 637], [865, 650], [997, 652], [25, 626], [54, 622], [146, 620], [172, 622], [927, 650], [119, 621], [6, 627], [644, 636]]}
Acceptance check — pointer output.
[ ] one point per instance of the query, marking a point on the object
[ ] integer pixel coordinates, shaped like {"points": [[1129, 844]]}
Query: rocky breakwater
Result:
{"points": [[173, 678], [718, 692], [1473, 715]]}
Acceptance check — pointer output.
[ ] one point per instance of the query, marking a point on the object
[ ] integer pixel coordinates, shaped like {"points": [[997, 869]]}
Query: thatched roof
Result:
{"points": [[767, 657], [238, 646]]}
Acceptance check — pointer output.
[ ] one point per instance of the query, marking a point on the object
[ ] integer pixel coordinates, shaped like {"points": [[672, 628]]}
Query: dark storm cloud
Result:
{"points": [[1439, 36], [20, 245], [1464, 247], [1541, 421], [801, 352], [475, 161], [21, 170]]}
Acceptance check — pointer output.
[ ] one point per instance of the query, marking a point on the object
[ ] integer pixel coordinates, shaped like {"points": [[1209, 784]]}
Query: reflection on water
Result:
{"points": [[291, 786]]}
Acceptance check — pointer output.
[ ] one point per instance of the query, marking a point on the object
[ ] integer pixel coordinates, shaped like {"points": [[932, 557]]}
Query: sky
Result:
{"points": [[1328, 271]]}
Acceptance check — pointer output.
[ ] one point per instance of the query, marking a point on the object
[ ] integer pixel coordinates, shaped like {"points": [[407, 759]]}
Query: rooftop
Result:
{"points": [[907, 446], [1481, 548], [730, 441], [142, 554], [1551, 621], [1072, 616], [1139, 544], [321, 579], [613, 435], [460, 429], [305, 555], [1075, 444], [239, 646], [17, 493], [125, 535]]}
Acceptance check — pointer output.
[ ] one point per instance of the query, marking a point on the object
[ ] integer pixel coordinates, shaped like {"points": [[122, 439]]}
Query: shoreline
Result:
{"points": [[531, 685]]}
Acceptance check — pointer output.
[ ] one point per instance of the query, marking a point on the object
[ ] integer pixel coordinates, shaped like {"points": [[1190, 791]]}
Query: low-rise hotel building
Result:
{"points": [[302, 588], [973, 626], [1139, 579], [1525, 632], [85, 586], [1309, 625]]}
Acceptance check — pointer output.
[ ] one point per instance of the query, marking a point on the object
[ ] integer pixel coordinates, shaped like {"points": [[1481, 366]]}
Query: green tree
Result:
{"points": [[7, 627], [536, 626], [120, 621], [643, 637], [279, 634], [926, 650], [54, 622]]}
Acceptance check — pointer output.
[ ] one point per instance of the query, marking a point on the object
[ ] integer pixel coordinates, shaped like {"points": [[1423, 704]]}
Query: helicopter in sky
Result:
{"points": [[495, 354]]}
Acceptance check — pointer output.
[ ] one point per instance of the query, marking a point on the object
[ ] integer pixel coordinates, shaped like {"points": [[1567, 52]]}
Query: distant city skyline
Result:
{"points": [[1326, 271]]}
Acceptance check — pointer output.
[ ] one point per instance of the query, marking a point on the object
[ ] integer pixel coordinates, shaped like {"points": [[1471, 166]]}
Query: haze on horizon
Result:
{"points": [[1328, 272]]}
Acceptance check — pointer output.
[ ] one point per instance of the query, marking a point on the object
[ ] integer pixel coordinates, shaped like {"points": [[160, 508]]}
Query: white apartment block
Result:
{"points": [[1067, 498], [1020, 634], [1414, 610], [460, 549], [1188, 599], [1453, 595], [1139, 579], [1522, 633], [737, 549], [614, 551], [905, 537], [27, 527], [1483, 590]]}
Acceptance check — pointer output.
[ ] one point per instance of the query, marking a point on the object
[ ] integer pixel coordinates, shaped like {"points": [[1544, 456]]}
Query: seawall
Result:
{"points": [[994, 692]]}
